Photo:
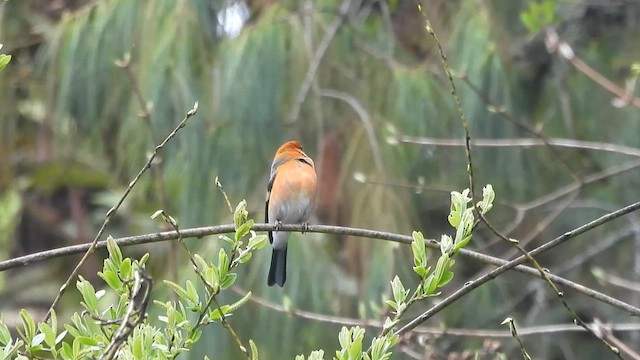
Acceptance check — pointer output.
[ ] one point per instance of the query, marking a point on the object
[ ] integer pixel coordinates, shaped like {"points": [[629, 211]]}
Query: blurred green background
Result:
{"points": [[72, 137]]}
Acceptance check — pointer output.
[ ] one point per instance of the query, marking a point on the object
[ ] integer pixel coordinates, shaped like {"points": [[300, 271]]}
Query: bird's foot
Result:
{"points": [[305, 227], [278, 225]]}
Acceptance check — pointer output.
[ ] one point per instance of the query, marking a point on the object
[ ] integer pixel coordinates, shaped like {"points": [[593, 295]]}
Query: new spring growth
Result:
{"points": [[241, 214], [4, 59]]}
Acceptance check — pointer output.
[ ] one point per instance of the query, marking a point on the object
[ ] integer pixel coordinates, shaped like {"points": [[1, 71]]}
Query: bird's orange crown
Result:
{"points": [[291, 145]]}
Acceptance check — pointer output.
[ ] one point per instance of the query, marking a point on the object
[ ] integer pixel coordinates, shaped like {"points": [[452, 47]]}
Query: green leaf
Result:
{"points": [[244, 257], [114, 251], [200, 262], [125, 269], [243, 229], [488, 195], [212, 277], [49, 334], [635, 71], [137, 347], [61, 337], [217, 314], [4, 60], [227, 239], [380, 347], [446, 278], [420, 270], [351, 343], [538, 15], [156, 214], [88, 294], [37, 340], [390, 324], [355, 352], [240, 214], [195, 335], [257, 242], [76, 347], [192, 293], [72, 330], [418, 248], [228, 281], [223, 263], [179, 290], [5, 335], [143, 260], [85, 340], [67, 351], [446, 245], [254, 350], [441, 267], [392, 304], [112, 279], [398, 290], [29, 325], [430, 285], [461, 244]]}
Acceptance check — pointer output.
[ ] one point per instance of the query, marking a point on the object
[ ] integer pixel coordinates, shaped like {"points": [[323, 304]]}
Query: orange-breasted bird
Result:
{"points": [[291, 193]]}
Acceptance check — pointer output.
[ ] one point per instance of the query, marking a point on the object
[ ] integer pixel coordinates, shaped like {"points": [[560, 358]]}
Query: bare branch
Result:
{"points": [[434, 330], [525, 142], [624, 97]]}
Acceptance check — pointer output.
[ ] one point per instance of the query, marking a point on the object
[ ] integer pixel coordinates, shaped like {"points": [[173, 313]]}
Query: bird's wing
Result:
{"points": [[274, 171]]}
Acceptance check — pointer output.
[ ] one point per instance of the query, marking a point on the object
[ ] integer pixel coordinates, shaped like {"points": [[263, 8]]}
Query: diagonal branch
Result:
{"points": [[624, 97], [110, 214], [472, 285]]}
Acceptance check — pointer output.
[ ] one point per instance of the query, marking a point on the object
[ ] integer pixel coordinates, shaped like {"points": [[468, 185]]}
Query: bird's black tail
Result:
{"points": [[278, 269]]}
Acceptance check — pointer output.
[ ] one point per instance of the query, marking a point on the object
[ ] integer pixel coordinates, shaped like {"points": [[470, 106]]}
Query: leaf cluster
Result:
{"points": [[89, 333]]}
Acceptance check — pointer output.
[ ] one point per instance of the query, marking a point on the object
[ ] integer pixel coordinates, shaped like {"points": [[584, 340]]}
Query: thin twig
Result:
{"points": [[500, 110], [114, 209], [317, 59], [555, 45], [156, 167], [605, 332], [227, 326], [515, 335], [456, 97], [365, 233]]}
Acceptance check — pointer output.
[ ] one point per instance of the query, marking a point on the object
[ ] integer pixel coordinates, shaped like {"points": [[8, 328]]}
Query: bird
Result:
{"points": [[291, 194]]}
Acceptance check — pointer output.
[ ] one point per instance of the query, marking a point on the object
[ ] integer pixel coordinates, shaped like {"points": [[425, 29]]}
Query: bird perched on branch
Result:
{"points": [[291, 193]]}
